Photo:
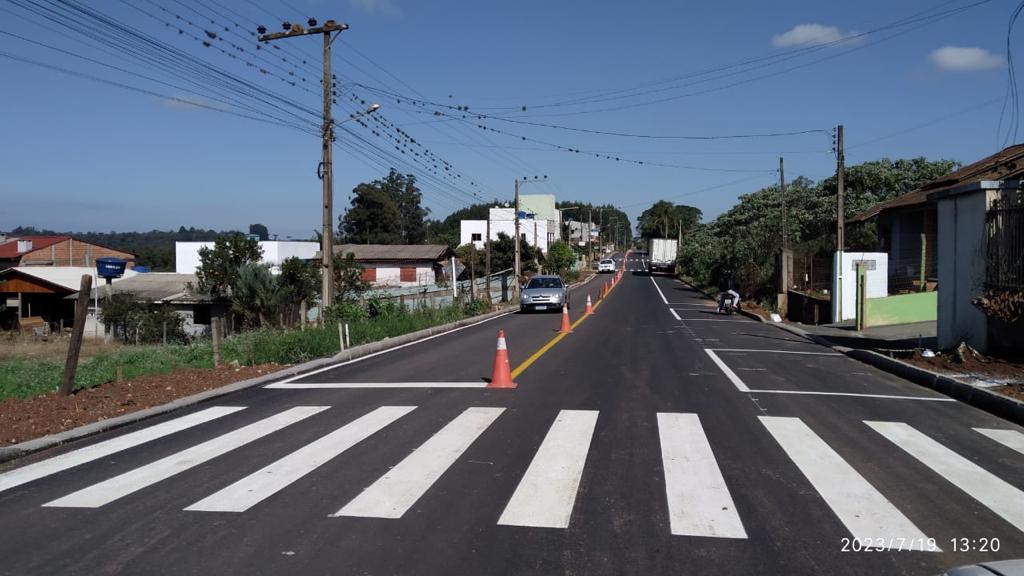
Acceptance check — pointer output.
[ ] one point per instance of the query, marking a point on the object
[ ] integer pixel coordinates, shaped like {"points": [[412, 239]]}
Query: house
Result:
{"points": [[186, 254], [387, 265], [54, 251], [170, 289], [533, 231], [38, 294], [981, 253]]}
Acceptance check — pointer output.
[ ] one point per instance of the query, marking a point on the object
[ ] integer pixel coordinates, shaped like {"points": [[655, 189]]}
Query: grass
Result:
{"points": [[38, 373]]}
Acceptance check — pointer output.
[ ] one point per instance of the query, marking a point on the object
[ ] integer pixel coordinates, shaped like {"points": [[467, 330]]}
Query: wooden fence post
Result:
{"points": [[67, 385], [215, 323]]}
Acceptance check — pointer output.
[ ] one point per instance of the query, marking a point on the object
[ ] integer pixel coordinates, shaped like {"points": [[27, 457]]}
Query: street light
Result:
{"points": [[373, 108]]}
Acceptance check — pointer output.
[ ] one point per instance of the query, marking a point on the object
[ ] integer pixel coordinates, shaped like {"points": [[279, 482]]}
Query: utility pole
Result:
{"points": [[518, 270], [330, 31], [840, 177], [487, 257], [782, 191]]}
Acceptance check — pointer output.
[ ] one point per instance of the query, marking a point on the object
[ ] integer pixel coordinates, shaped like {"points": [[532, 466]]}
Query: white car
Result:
{"points": [[606, 265]]}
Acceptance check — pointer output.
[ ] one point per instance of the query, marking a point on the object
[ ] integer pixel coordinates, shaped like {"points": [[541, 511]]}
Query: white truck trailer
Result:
{"points": [[663, 255]]}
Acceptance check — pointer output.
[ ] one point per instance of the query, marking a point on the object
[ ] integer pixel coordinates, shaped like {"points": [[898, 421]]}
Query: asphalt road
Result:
{"points": [[627, 448]]}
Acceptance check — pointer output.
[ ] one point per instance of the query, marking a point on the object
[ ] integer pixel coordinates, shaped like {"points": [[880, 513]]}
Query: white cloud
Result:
{"points": [[809, 35], [382, 6], [965, 59]]}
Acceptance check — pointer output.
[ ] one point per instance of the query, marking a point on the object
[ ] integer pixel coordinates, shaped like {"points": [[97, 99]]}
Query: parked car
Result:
{"points": [[544, 292], [606, 265]]}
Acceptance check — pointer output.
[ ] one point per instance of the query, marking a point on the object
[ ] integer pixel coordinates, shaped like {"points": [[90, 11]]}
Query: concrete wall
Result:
{"points": [[845, 281], [390, 275], [530, 229], [961, 270], [901, 309], [186, 254]]}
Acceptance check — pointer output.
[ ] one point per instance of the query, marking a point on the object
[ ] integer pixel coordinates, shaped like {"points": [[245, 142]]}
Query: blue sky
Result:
{"points": [[81, 155]]}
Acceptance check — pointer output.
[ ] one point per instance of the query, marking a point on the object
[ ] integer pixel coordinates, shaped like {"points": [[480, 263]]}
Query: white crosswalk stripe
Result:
{"points": [[395, 492], [699, 503], [996, 494], [264, 483], [698, 500], [546, 494], [139, 478], [103, 449], [865, 512], [1009, 438]]}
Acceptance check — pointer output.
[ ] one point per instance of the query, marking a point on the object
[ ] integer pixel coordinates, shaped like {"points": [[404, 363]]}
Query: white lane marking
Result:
{"points": [[399, 347], [855, 395], [728, 371], [674, 314], [119, 486], [99, 450], [545, 496], [865, 512], [679, 304], [777, 351], [395, 492], [699, 503], [1009, 438], [996, 494], [311, 385], [736, 320], [264, 483], [658, 288]]}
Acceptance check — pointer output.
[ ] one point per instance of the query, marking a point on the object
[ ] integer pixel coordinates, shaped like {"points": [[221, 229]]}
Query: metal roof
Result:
{"points": [[67, 277], [1007, 164], [384, 252], [158, 287]]}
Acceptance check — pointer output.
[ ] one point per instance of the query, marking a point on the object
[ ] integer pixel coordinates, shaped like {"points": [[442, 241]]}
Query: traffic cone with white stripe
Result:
{"points": [[590, 309], [501, 377], [566, 326]]}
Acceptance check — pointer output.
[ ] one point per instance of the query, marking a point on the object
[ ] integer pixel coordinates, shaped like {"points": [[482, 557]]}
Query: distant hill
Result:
{"points": [[154, 248]]}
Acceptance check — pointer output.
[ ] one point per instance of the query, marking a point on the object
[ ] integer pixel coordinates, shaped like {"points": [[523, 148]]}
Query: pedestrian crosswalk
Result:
{"points": [[698, 499]]}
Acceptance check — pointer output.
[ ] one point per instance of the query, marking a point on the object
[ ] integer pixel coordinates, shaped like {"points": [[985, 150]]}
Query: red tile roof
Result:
{"points": [[9, 248]]}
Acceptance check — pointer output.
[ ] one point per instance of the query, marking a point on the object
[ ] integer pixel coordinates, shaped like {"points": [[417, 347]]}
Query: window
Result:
{"points": [[544, 283], [369, 275], [477, 238], [409, 274]]}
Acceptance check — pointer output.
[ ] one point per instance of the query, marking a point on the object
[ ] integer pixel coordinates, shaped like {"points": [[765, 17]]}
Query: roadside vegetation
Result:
{"points": [[24, 377]]}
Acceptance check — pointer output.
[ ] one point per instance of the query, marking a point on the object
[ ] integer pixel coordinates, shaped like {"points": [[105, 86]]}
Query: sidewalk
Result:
{"points": [[897, 337]]}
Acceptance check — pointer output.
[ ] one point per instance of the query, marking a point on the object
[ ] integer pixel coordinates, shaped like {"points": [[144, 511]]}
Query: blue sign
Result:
{"points": [[110, 267]]}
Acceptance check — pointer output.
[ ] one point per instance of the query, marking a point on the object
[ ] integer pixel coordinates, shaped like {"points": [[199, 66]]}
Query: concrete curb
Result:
{"points": [[981, 398], [29, 446]]}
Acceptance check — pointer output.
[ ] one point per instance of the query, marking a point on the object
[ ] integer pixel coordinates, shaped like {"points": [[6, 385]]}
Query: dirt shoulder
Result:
{"points": [[46, 414]]}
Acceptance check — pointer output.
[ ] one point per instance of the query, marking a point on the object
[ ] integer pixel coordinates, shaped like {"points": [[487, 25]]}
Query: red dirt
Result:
{"points": [[46, 414]]}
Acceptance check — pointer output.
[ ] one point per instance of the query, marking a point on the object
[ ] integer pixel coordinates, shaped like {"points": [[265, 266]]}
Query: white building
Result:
{"points": [[535, 232], [186, 254]]}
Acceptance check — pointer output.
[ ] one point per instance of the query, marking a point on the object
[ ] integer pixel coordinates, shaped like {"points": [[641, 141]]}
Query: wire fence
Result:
{"points": [[1004, 269], [812, 274]]}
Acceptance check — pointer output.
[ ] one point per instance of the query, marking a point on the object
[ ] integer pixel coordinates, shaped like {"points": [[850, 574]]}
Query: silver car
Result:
{"points": [[544, 293]]}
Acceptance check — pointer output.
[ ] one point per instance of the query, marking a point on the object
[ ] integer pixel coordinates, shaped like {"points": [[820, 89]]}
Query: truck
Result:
{"points": [[663, 255]]}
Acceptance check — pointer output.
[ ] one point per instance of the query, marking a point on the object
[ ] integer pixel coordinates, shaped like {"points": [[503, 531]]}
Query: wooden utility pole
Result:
{"points": [[782, 192], [840, 177], [518, 269], [215, 328], [330, 31], [487, 257], [67, 385]]}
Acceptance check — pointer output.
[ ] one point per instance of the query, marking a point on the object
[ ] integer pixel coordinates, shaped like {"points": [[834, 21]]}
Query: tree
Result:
{"points": [[503, 254], [667, 220], [301, 279], [386, 211], [373, 217], [259, 230], [218, 266], [348, 278], [560, 257], [257, 295]]}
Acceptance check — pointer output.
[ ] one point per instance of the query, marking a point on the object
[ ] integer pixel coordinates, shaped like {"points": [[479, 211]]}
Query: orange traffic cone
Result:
{"points": [[501, 377], [604, 289], [590, 309], [566, 327]]}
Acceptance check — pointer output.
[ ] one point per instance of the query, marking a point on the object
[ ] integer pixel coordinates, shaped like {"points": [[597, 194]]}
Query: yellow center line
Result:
{"points": [[551, 343]]}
